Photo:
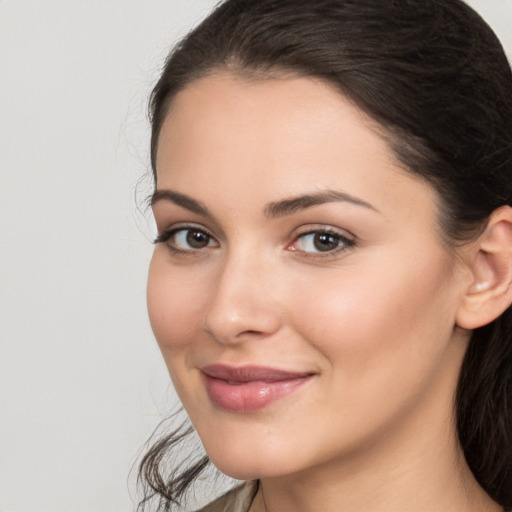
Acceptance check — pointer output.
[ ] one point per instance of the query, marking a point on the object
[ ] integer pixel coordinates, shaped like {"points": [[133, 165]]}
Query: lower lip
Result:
{"points": [[250, 396]]}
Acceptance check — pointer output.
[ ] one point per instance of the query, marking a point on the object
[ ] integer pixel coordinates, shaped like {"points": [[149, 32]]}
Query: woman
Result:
{"points": [[331, 282]]}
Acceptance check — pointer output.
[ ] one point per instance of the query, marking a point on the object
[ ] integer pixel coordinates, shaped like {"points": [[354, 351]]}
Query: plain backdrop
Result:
{"points": [[82, 384]]}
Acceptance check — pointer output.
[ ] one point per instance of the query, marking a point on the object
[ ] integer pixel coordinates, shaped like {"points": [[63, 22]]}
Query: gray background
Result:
{"points": [[81, 381]]}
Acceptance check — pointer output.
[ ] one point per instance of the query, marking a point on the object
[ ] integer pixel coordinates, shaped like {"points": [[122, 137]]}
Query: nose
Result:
{"points": [[244, 303]]}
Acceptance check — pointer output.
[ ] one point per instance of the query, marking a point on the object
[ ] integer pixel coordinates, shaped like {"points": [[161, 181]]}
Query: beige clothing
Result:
{"points": [[238, 499]]}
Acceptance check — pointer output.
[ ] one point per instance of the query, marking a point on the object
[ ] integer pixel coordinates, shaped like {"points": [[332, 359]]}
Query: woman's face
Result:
{"points": [[300, 293]]}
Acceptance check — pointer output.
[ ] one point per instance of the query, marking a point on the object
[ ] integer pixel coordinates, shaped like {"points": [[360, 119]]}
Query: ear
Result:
{"points": [[490, 264]]}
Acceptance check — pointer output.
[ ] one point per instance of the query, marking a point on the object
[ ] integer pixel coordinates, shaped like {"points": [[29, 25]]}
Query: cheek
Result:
{"points": [[384, 341], [369, 320], [175, 303]]}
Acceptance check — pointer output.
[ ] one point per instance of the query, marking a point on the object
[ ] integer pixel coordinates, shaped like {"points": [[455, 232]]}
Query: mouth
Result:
{"points": [[250, 388]]}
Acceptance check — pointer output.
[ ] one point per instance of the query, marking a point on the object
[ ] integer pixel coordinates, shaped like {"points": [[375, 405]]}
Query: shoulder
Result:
{"points": [[238, 499]]}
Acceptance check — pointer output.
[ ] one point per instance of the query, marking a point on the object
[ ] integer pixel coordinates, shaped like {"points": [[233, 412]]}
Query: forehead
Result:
{"points": [[278, 137]]}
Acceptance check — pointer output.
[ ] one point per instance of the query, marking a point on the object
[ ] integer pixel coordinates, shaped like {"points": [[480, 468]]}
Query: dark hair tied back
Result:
{"points": [[435, 77]]}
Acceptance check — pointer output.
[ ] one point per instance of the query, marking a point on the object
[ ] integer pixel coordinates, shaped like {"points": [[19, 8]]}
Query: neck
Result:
{"points": [[425, 481], [420, 484]]}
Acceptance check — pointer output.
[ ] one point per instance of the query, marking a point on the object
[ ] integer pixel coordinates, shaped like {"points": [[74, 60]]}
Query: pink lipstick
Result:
{"points": [[249, 388]]}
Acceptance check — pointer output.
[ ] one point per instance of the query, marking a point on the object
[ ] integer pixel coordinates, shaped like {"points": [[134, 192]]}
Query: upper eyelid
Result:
{"points": [[350, 239], [344, 233], [347, 239], [171, 225], [178, 226], [165, 234]]}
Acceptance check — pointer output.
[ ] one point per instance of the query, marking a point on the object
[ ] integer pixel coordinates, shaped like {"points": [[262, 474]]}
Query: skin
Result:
{"points": [[374, 320]]}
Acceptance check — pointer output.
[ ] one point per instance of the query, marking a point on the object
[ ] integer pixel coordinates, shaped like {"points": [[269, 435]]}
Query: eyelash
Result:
{"points": [[345, 242], [166, 236]]}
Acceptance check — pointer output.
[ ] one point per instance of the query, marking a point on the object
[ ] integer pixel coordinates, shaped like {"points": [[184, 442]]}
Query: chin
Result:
{"points": [[252, 462], [238, 464], [238, 472], [247, 470]]}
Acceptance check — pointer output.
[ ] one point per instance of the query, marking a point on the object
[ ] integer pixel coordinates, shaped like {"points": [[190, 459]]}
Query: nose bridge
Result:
{"points": [[243, 304]]}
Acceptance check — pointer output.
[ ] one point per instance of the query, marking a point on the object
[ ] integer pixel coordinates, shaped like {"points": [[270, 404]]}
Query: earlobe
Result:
{"points": [[490, 291]]}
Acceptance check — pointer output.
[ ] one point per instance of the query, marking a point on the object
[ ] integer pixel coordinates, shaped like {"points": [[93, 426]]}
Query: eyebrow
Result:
{"points": [[272, 210], [295, 204], [181, 200]]}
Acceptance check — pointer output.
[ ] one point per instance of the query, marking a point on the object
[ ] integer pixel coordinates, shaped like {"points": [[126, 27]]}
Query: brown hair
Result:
{"points": [[435, 77]]}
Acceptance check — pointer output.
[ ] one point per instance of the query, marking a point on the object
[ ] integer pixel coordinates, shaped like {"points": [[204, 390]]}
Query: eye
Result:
{"points": [[321, 241], [192, 239], [186, 239]]}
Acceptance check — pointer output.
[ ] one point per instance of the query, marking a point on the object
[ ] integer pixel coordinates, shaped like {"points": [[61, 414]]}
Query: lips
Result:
{"points": [[250, 388]]}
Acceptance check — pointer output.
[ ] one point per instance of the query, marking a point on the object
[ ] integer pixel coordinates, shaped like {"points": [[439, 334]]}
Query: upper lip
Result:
{"points": [[251, 373]]}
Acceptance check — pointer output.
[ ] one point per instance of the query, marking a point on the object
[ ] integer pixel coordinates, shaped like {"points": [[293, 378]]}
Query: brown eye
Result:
{"points": [[322, 241], [186, 239], [195, 239], [325, 242]]}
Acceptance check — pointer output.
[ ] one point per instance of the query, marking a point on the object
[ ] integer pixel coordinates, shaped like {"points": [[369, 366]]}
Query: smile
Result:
{"points": [[249, 388]]}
